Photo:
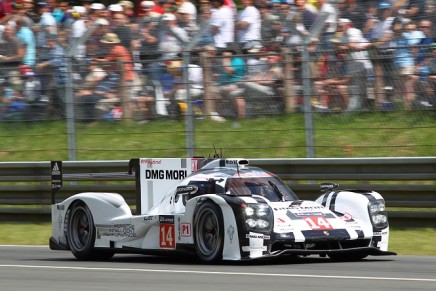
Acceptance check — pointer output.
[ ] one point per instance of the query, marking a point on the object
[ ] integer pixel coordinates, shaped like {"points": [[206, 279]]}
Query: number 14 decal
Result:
{"points": [[318, 222], [167, 237]]}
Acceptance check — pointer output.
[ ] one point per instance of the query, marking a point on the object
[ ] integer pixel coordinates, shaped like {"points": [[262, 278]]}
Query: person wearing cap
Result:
{"points": [[173, 39], [186, 22], [222, 24], [189, 8], [47, 25], [128, 8], [96, 11], [248, 24]]}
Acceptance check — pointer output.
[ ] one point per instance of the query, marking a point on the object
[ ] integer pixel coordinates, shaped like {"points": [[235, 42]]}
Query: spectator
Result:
{"points": [[308, 17], [222, 24], [233, 70], [121, 27], [404, 64], [96, 11], [331, 21], [173, 38], [264, 84], [188, 7], [47, 24], [248, 24], [52, 70], [207, 37], [414, 9], [430, 81], [118, 53], [413, 34], [359, 65], [11, 51], [5, 11], [78, 29], [186, 22], [128, 8], [355, 12], [270, 25], [27, 38]]}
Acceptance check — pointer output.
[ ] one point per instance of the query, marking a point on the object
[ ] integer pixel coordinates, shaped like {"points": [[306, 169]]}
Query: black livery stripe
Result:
{"points": [[323, 235], [360, 233], [324, 200], [333, 200]]}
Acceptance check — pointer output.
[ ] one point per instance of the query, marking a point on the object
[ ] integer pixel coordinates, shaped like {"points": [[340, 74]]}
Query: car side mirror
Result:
{"points": [[185, 192]]}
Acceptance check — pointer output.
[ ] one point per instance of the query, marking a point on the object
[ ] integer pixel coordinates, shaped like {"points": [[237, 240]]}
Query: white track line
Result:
{"points": [[218, 273]]}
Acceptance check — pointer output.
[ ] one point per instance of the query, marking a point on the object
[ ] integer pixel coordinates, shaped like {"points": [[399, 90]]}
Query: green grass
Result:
{"points": [[402, 241], [394, 134]]}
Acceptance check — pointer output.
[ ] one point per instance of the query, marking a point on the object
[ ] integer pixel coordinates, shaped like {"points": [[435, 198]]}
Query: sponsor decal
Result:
{"points": [[347, 217], [148, 218], [186, 229], [230, 232], [116, 230], [261, 236], [166, 219], [281, 220], [167, 232], [308, 213], [151, 162], [318, 223], [377, 234], [165, 174], [60, 207]]}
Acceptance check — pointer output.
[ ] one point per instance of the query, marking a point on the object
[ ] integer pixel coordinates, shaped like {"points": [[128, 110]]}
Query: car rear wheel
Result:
{"points": [[209, 232], [81, 234]]}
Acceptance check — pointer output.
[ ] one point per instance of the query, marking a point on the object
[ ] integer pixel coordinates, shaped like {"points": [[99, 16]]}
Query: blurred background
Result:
{"points": [[81, 80]]}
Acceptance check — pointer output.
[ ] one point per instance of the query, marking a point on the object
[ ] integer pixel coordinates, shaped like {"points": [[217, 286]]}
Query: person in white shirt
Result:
{"points": [[190, 8], [222, 24], [248, 24]]}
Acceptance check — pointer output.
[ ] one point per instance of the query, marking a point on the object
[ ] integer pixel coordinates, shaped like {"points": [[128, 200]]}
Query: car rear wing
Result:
{"points": [[154, 177]]}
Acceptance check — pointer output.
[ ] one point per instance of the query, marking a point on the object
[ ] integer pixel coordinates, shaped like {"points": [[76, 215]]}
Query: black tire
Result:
{"points": [[81, 234], [347, 257], [209, 232]]}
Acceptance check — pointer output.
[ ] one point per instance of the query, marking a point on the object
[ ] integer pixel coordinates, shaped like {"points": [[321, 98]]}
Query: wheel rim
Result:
{"points": [[80, 228], [207, 232]]}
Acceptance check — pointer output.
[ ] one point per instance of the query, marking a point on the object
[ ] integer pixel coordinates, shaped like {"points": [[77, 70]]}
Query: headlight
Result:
{"points": [[258, 217], [377, 212]]}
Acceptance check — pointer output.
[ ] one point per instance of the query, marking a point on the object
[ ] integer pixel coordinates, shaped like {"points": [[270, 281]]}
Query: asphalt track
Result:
{"points": [[38, 268]]}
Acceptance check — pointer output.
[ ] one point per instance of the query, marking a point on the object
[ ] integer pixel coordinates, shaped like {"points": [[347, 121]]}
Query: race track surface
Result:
{"points": [[38, 268]]}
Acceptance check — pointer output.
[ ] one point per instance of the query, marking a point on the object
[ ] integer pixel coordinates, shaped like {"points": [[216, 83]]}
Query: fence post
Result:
{"points": [[289, 92]]}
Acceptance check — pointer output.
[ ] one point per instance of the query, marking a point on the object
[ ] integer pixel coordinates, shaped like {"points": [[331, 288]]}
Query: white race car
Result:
{"points": [[219, 209]]}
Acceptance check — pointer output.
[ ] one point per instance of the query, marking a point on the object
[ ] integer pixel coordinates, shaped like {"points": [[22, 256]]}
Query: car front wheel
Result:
{"points": [[209, 232]]}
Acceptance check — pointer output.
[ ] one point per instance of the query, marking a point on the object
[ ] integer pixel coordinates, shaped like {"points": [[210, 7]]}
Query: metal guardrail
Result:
{"points": [[407, 184]]}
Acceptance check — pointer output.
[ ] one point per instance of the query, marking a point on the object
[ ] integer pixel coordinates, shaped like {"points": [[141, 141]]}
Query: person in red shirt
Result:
{"points": [[118, 53], [5, 10]]}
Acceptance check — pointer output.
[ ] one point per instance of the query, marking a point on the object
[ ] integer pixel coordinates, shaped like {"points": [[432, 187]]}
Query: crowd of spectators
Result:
{"points": [[125, 58]]}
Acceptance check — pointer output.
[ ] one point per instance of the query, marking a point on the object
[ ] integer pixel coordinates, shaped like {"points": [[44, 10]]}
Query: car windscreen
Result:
{"points": [[271, 188]]}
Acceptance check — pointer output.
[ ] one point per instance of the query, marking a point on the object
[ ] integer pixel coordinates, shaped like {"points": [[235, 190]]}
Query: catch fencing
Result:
{"points": [[407, 184], [311, 93]]}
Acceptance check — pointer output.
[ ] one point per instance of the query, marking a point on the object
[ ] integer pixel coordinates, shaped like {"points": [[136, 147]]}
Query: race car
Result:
{"points": [[218, 209]]}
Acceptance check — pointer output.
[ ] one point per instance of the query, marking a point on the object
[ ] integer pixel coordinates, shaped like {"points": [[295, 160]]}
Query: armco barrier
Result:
{"points": [[407, 184]]}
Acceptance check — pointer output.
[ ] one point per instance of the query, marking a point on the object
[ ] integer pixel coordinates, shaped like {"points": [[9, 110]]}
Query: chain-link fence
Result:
{"points": [[322, 79]]}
